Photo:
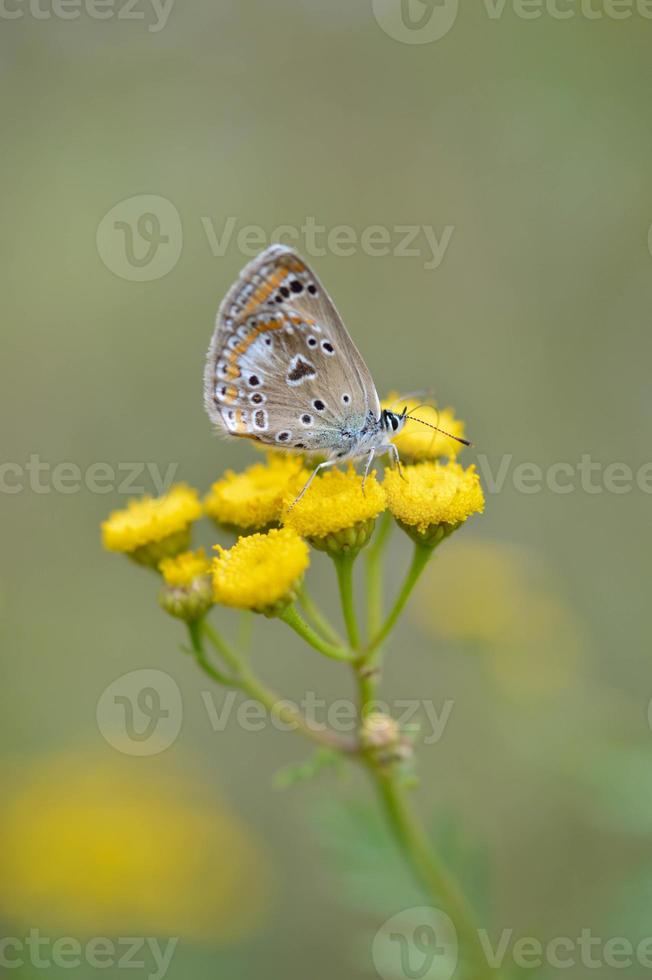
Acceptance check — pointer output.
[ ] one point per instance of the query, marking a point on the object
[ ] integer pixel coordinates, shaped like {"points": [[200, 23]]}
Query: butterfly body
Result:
{"points": [[283, 370]]}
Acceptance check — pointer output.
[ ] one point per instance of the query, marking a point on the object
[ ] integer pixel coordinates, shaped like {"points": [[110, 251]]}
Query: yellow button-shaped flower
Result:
{"points": [[187, 592], [261, 572], [334, 514], [253, 500], [153, 528], [417, 442], [432, 499]]}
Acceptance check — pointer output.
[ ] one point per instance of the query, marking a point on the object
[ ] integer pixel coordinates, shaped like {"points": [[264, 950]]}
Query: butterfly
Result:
{"points": [[283, 370]]}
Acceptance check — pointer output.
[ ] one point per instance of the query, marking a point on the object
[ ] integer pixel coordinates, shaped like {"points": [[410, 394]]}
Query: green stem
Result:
{"points": [[442, 887], [195, 633], [293, 618], [317, 618], [247, 681], [344, 568], [373, 559], [245, 628], [420, 558]]}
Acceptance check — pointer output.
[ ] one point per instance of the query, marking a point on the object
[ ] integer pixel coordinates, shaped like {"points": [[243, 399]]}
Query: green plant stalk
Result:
{"points": [[199, 652], [404, 824], [374, 566], [420, 558], [293, 618], [426, 864], [317, 618], [344, 567], [245, 680]]}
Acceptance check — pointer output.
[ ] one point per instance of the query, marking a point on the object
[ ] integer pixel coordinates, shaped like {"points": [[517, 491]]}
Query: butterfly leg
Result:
{"points": [[396, 460], [320, 466], [370, 459]]}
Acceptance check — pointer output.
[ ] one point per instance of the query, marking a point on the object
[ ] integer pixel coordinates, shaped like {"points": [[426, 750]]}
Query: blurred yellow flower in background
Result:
{"points": [[152, 528], [253, 500], [417, 442], [260, 571], [97, 846], [495, 599], [334, 509]]}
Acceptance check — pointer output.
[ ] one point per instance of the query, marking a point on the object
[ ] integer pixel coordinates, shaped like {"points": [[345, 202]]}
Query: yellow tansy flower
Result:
{"points": [[260, 572], [253, 500], [152, 528], [431, 499], [183, 569], [187, 592], [416, 442], [334, 514]]}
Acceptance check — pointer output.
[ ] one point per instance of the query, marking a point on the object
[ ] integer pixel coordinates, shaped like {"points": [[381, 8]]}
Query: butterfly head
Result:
{"points": [[393, 422]]}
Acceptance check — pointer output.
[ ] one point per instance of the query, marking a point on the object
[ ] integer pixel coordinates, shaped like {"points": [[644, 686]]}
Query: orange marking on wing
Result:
{"points": [[263, 291], [245, 344]]}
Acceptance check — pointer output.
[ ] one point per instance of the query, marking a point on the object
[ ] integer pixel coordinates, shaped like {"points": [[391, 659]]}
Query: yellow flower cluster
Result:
{"points": [[335, 508], [149, 529], [260, 571], [253, 500], [183, 569], [430, 495], [416, 442]]}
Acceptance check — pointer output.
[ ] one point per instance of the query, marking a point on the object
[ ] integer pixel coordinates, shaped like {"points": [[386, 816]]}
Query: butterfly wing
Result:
{"points": [[281, 366]]}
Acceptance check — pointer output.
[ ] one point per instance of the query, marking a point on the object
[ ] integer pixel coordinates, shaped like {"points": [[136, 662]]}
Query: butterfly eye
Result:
{"points": [[296, 286], [346, 399], [312, 341], [327, 347], [306, 419], [283, 436], [254, 381], [312, 289], [319, 405]]}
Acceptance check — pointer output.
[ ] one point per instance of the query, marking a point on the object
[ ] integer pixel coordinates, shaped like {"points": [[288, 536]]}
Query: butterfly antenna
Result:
{"points": [[450, 435]]}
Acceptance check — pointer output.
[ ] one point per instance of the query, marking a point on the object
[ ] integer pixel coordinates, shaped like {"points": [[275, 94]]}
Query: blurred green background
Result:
{"points": [[531, 140]]}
